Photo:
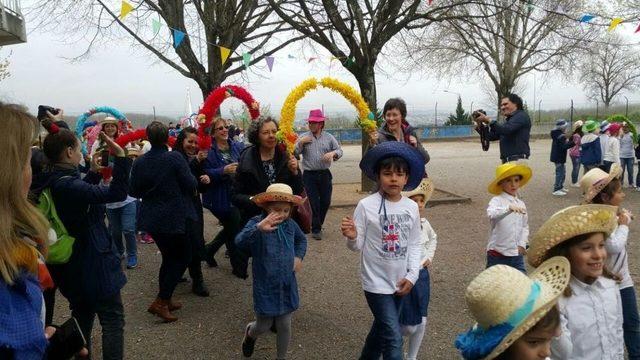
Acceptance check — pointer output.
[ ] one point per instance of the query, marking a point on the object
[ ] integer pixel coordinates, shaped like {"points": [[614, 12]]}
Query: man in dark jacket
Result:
{"points": [[559, 146], [514, 132]]}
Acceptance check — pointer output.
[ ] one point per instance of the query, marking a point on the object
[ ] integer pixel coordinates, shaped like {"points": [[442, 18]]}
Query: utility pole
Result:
{"points": [[571, 114], [626, 109], [539, 114], [436, 113], [597, 109], [154, 113]]}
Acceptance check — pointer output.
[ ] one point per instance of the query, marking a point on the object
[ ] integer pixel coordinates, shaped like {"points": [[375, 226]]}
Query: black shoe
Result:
{"points": [[317, 236], [248, 343], [183, 280], [200, 289], [211, 262]]}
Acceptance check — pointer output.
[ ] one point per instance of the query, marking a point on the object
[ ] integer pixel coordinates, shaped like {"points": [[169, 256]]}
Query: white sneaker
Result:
{"points": [[638, 189], [565, 190], [576, 185], [559, 193]]}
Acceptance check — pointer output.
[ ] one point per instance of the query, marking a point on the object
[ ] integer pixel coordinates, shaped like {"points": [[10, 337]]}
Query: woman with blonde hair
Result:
{"points": [[23, 231]]}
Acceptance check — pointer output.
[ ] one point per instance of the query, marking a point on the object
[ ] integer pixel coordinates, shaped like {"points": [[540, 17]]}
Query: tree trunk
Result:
{"points": [[367, 82]]}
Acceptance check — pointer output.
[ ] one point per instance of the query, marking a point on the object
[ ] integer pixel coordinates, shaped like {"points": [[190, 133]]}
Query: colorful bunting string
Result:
{"points": [[586, 18], [224, 54], [125, 9], [270, 60], [155, 25], [614, 23], [178, 36], [246, 58]]}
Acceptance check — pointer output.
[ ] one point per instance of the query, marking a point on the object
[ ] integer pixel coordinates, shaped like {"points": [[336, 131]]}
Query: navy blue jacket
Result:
{"points": [[590, 152], [94, 271], [163, 181], [513, 134], [251, 179], [217, 198], [275, 289], [559, 146]]}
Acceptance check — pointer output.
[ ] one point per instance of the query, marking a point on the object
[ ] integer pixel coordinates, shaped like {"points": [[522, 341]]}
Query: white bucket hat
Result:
{"points": [[507, 303]]}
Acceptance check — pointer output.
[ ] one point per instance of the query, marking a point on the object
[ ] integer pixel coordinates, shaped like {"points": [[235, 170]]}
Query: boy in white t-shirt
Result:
{"points": [[386, 229]]}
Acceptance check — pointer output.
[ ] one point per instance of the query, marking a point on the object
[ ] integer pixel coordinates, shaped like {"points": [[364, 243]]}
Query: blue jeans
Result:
{"points": [[560, 175], [319, 187], [575, 170], [384, 337], [631, 322], [627, 166], [513, 261], [122, 221]]}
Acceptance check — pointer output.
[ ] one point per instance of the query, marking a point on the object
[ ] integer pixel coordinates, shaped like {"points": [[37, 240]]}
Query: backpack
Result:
{"points": [[60, 251]]}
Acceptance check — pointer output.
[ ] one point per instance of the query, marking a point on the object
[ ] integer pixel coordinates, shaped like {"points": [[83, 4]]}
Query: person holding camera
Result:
{"points": [[513, 134]]}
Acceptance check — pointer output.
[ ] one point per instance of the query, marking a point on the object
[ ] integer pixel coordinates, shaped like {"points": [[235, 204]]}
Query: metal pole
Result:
{"points": [[471, 112], [436, 113], [539, 115], [571, 115], [154, 113], [597, 109], [626, 109]]}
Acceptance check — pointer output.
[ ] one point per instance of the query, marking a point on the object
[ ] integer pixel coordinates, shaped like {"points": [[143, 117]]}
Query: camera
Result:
{"points": [[42, 111], [477, 113]]}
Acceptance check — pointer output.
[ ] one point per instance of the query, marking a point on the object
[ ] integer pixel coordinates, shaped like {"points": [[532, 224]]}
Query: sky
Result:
{"points": [[134, 81]]}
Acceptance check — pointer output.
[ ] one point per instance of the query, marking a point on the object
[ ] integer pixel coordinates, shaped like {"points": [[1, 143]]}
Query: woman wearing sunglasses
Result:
{"points": [[220, 165]]}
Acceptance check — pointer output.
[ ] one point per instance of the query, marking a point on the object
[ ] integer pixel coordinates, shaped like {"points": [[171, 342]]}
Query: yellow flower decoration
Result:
{"points": [[366, 119]]}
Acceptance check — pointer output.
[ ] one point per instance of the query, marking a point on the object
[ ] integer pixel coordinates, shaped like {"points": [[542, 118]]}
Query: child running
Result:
{"points": [[591, 308], [508, 217], [386, 228], [600, 187], [413, 313], [516, 315], [278, 246]]}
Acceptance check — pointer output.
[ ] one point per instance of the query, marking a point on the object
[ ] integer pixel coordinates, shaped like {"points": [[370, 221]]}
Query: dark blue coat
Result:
{"points": [[590, 152], [513, 134], [559, 146], [217, 198], [163, 181], [275, 289], [93, 271]]}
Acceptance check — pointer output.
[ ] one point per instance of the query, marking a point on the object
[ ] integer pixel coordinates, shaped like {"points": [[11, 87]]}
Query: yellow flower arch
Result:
{"points": [[286, 134]]}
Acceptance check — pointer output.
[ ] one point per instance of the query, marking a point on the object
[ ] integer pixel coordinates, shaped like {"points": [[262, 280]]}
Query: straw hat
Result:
{"points": [[596, 179], [507, 170], [577, 124], [108, 120], [425, 188], [507, 303], [277, 192], [568, 223]]}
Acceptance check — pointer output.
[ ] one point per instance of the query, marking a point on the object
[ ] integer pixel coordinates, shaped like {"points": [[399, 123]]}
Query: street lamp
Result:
{"points": [[626, 109]]}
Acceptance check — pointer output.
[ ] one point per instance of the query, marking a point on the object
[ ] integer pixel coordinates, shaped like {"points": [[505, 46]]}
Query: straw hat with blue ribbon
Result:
{"points": [[388, 149], [507, 303]]}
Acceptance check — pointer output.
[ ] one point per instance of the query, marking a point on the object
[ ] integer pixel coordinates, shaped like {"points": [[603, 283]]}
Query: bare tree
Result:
{"points": [[501, 40], [243, 26], [609, 69], [4, 67]]}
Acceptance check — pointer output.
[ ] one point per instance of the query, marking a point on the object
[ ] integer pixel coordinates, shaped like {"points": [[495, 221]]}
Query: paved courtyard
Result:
{"points": [[334, 319]]}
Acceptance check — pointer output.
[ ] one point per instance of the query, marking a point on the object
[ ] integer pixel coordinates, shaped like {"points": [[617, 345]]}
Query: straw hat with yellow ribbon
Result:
{"points": [[595, 180], [277, 193], [569, 223], [507, 303], [425, 188], [508, 170]]}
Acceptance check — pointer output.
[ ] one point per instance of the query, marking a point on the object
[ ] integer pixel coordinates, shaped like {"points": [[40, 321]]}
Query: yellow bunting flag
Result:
{"points": [[125, 9], [614, 23], [224, 54]]}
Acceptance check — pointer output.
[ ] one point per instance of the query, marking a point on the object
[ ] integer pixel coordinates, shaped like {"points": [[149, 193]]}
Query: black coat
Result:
{"points": [[251, 179], [513, 134], [94, 271], [163, 181], [559, 146]]}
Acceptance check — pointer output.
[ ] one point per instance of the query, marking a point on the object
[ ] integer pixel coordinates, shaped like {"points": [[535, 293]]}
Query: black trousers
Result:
{"points": [[318, 184], [176, 252], [195, 232], [111, 316], [227, 236]]}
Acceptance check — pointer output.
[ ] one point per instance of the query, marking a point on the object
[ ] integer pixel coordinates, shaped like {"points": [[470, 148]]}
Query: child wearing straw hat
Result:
{"points": [[507, 214], [600, 187], [590, 149], [386, 228], [591, 308], [516, 314], [413, 314], [278, 246]]}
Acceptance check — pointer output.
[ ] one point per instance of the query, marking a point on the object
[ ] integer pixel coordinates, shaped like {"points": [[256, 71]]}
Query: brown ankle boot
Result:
{"points": [[174, 305], [160, 308]]}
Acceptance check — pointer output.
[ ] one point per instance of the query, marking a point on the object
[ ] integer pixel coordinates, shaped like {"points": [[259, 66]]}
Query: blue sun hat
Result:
{"points": [[507, 303], [389, 149]]}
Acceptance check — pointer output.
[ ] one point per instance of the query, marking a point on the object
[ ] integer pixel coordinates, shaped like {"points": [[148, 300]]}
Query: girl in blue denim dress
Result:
{"points": [[278, 246]]}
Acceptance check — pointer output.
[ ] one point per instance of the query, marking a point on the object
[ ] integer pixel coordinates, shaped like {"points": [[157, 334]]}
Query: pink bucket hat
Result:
{"points": [[316, 116]]}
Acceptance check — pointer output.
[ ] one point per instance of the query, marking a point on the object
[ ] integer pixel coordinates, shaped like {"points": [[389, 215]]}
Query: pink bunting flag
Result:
{"points": [[270, 60], [637, 29]]}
